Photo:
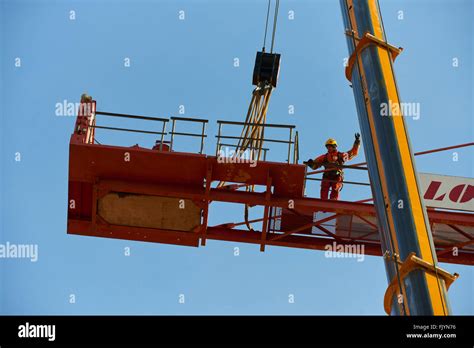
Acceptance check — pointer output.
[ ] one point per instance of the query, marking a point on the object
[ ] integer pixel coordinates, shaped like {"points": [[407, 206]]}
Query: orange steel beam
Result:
{"points": [[329, 233], [206, 206], [457, 246], [254, 237], [461, 232], [367, 222], [304, 227], [268, 193], [365, 200], [235, 224]]}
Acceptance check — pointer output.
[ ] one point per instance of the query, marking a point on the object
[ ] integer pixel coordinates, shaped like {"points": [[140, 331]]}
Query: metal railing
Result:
{"points": [[290, 140], [296, 149], [163, 132], [187, 119], [138, 117]]}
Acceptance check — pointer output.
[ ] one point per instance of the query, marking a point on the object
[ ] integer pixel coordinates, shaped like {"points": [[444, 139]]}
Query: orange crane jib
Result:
{"points": [[142, 194]]}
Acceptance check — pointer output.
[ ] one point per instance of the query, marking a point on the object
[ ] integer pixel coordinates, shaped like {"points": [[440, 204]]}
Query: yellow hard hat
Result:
{"points": [[331, 141]]}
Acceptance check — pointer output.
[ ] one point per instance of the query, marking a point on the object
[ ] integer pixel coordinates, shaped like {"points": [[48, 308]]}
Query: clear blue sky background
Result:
{"points": [[190, 63]]}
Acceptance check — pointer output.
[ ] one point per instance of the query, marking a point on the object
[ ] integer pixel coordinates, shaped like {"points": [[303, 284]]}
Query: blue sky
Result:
{"points": [[190, 62]]}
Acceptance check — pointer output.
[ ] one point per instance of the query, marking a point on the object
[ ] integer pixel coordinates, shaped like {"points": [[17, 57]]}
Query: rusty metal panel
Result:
{"points": [[134, 210]]}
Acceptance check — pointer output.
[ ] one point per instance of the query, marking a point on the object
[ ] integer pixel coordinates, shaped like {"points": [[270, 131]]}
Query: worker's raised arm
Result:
{"points": [[355, 148]]}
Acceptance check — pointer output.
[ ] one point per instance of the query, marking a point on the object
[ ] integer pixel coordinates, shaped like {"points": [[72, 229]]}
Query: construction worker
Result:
{"points": [[85, 107], [85, 98], [333, 178]]}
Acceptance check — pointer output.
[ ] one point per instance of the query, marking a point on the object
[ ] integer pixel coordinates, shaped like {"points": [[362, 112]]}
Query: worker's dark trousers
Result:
{"points": [[335, 183]]}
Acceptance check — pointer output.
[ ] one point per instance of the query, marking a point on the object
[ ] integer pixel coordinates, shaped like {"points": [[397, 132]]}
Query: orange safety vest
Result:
{"points": [[335, 158]]}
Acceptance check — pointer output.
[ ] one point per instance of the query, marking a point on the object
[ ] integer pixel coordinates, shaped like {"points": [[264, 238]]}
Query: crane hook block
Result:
{"points": [[267, 68]]}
